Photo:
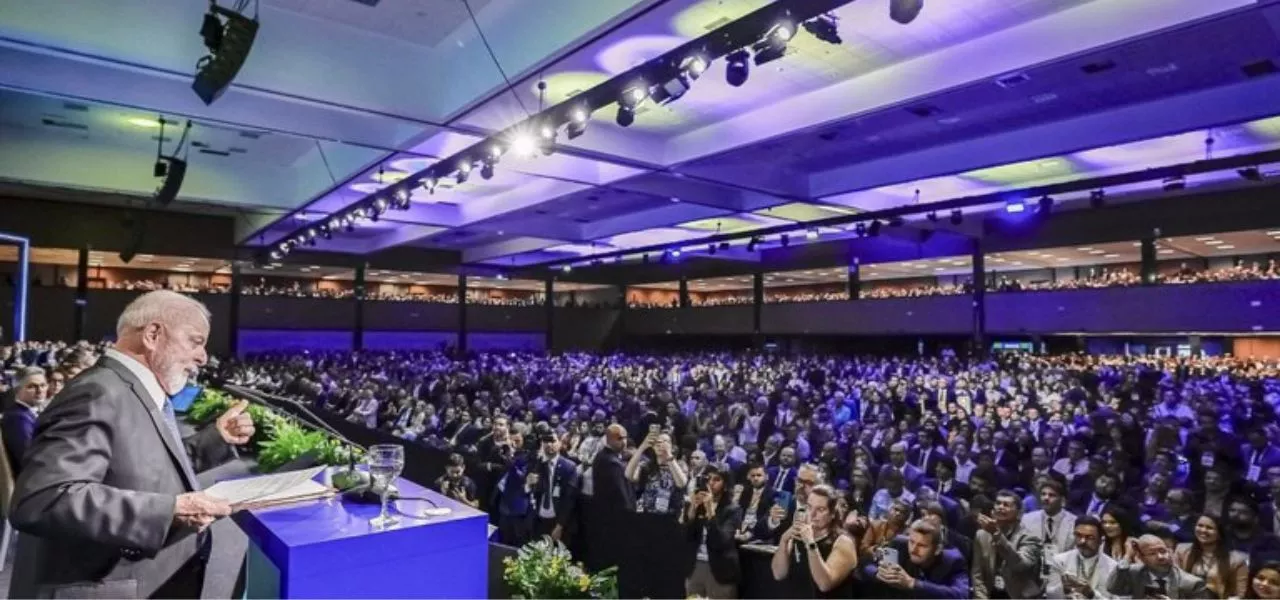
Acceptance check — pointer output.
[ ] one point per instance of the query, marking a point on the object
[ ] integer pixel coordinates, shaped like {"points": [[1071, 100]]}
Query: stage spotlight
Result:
{"points": [[905, 11], [486, 171], [567, 268], [326, 231], [694, 66], [228, 46], [957, 217], [578, 117], [379, 205], [1045, 205], [429, 184], [737, 68], [675, 253], [464, 170], [1250, 174], [774, 44], [634, 94], [874, 229], [625, 116], [275, 255], [400, 199], [1014, 206], [1097, 198], [824, 28]]}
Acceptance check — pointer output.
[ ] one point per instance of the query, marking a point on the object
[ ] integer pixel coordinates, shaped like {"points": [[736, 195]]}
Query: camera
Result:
{"points": [[702, 483]]}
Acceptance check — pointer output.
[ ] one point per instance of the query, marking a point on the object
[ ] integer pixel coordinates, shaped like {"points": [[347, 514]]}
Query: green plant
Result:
{"points": [[208, 405], [545, 569], [288, 441]]}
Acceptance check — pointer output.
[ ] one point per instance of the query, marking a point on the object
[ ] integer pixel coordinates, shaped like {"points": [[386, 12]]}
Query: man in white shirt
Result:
{"points": [[1083, 571]]}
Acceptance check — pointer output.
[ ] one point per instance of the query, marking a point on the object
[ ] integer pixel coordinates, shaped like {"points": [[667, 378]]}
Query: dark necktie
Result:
{"points": [[551, 480]]}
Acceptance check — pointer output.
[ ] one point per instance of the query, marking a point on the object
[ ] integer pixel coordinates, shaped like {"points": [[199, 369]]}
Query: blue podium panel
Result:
{"points": [[327, 549]]}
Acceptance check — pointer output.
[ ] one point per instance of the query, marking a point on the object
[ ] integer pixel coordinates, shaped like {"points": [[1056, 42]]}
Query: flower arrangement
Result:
{"points": [[279, 439], [545, 569]]}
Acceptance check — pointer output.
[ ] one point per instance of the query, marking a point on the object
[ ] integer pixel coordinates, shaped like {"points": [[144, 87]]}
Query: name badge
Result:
{"points": [[1255, 472], [555, 492], [1206, 459]]}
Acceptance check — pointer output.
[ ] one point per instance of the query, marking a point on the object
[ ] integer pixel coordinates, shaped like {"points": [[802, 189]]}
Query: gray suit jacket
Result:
{"points": [[1130, 580], [1064, 539], [1019, 555], [97, 493]]}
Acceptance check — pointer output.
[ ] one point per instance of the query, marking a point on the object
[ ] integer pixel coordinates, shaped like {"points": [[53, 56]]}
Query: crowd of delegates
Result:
{"points": [[1020, 476], [31, 373]]}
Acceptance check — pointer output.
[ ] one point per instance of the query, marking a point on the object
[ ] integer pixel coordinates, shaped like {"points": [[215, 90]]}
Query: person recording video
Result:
{"points": [[815, 557], [455, 485], [711, 519]]}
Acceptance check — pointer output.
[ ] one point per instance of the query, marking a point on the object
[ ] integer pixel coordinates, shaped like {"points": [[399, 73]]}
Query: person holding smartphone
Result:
{"points": [[710, 519], [661, 479], [815, 557], [918, 565]]}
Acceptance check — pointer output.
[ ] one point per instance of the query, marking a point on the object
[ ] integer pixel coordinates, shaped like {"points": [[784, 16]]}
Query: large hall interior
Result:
{"points": [[689, 298]]}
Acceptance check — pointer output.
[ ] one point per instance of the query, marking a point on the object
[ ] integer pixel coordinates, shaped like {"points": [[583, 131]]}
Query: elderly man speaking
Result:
{"points": [[108, 495]]}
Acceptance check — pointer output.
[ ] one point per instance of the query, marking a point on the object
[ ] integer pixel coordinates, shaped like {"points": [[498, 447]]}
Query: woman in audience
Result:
{"points": [[1207, 556], [711, 521], [1117, 528], [814, 558], [1265, 583]]}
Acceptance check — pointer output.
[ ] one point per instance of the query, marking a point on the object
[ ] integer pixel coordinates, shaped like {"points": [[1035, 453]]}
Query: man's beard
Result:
{"points": [[172, 378]]}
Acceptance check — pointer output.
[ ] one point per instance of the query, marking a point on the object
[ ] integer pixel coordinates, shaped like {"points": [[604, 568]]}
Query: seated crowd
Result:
{"points": [[1021, 476]]}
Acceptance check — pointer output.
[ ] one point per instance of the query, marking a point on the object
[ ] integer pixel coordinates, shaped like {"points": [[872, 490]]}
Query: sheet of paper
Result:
{"points": [[274, 486]]}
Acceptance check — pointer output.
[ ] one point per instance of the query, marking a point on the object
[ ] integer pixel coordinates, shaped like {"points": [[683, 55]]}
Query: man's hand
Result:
{"points": [[988, 524], [557, 532], [702, 498], [235, 425], [895, 576], [198, 510]]}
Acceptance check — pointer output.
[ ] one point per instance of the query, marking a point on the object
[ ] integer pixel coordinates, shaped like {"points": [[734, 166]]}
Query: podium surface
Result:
{"points": [[327, 549]]}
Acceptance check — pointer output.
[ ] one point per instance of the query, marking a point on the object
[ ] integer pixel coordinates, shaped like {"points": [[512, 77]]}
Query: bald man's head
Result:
{"points": [[1154, 553], [616, 437]]}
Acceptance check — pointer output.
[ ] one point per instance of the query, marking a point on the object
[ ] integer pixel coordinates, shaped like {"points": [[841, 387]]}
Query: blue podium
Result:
{"points": [[326, 549]]}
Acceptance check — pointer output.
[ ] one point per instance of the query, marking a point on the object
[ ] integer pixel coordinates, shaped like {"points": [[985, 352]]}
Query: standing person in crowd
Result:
{"points": [[930, 569], [108, 498], [755, 501], [661, 480], [1147, 571], [1006, 556], [18, 423], [814, 558], [1084, 571], [557, 491], [711, 520]]}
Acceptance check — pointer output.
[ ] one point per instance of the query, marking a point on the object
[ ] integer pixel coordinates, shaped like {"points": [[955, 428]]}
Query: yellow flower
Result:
{"points": [[584, 582]]}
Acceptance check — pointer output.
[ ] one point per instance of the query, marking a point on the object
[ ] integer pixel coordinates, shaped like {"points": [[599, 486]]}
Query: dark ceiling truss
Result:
{"points": [[654, 79], [1097, 184]]}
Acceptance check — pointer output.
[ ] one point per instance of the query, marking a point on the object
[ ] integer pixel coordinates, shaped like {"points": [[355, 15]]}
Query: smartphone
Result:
{"points": [[1152, 590], [654, 429], [888, 555], [782, 499]]}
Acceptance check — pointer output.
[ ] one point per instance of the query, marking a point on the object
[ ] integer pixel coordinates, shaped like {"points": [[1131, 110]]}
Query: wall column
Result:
{"points": [[550, 303], [855, 280], [979, 300], [757, 305], [357, 332], [82, 293], [1148, 271], [233, 313], [684, 292], [462, 313]]}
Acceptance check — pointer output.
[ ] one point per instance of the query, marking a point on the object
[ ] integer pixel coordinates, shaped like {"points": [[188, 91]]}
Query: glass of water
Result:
{"points": [[386, 461]]}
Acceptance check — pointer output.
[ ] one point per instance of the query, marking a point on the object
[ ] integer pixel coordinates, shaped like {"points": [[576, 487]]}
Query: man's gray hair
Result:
{"points": [[160, 306], [27, 373]]}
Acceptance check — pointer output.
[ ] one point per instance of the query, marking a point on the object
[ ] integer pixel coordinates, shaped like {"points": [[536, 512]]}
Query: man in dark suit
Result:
{"points": [[782, 478], [557, 492], [912, 476], [929, 569], [108, 497], [612, 500], [1148, 572], [19, 420]]}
